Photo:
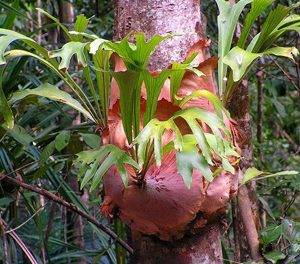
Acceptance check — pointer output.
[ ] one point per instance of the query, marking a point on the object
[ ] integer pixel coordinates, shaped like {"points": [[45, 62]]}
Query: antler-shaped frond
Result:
{"points": [[95, 163], [201, 147]]}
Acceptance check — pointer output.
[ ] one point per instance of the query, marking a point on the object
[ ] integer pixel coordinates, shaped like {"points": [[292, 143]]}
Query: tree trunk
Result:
{"points": [[66, 16], [161, 17], [204, 248], [247, 210], [246, 214], [52, 32]]}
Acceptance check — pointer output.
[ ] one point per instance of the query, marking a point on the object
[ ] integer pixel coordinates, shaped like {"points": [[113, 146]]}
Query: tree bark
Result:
{"points": [[247, 209], [52, 32], [246, 213], [161, 17], [66, 16], [204, 248]]}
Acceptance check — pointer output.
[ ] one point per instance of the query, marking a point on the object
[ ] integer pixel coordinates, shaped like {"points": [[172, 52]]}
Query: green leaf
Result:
{"points": [[227, 166], [267, 208], [274, 256], [290, 23], [10, 18], [103, 78], [6, 201], [62, 140], [201, 139], [5, 40], [83, 34], [51, 64], [20, 135], [96, 44], [288, 52], [46, 153], [257, 7], [9, 36], [81, 23], [271, 234], [154, 131], [239, 61], [136, 56], [227, 22], [272, 22], [5, 110], [251, 173], [291, 20], [217, 103], [291, 231], [177, 72], [189, 158], [192, 114], [74, 255], [49, 91], [281, 173], [213, 143], [12, 9], [154, 84], [66, 31], [43, 169], [129, 84], [67, 52], [95, 163], [92, 140], [153, 87], [80, 26]]}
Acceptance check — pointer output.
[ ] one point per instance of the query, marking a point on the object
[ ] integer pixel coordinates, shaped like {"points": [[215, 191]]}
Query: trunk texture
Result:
{"points": [[247, 213], [52, 32], [66, 16], [204, 248], [247, 209], [161, 17]]}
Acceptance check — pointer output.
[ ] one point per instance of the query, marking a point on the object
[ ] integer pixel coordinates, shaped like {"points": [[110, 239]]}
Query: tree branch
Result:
{"points": [[70, 206]]}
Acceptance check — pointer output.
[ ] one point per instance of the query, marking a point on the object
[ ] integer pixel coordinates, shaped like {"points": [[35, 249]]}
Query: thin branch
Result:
{"points": [[19, 241], [285, 135], [290, 79], [290, 203], [5, 247], [21, 168], [70, 206], [50, 220], [24, 223], [298, 65]]}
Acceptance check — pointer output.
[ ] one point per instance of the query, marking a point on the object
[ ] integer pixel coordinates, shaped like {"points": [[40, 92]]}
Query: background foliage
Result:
{"points": [[43, 144]]}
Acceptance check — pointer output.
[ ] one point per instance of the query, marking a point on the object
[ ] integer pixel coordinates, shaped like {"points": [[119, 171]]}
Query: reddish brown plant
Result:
{"points": [[163, 205]]}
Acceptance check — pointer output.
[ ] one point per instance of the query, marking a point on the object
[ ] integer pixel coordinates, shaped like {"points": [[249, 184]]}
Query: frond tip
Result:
{"points": [[95, 163]]}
